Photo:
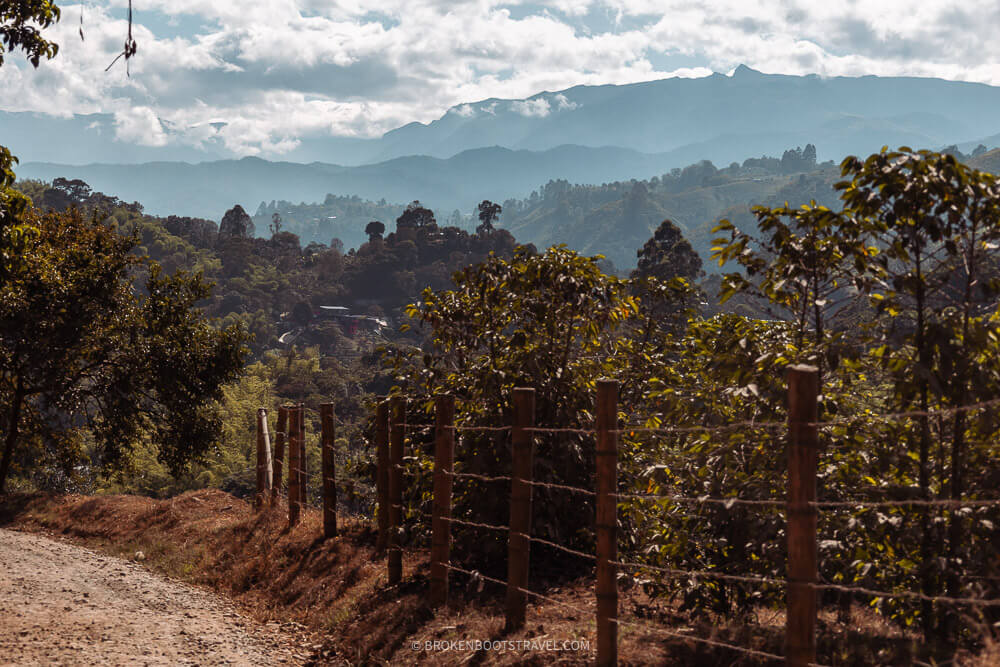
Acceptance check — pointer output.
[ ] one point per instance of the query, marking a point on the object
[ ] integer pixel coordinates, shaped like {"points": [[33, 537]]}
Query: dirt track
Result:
{"points": [[65, 605]]}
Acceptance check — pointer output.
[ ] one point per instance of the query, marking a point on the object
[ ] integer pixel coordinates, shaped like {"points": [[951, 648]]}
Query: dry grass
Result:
{"points": [[336, 594]]}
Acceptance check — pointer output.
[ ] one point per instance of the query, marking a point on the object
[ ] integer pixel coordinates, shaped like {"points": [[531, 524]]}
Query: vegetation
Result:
{"points": [[893, 296], [888, 285], [84, 359], [616, 218]]}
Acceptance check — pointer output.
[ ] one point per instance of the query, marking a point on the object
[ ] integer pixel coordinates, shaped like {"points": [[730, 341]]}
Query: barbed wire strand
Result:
{"points": [[484, 429], [473, 524], [560, 487], [481, 478], [728, 502], [702, 640], [903, 503], [552, 429], [560, 547], [678, 635], [911, 595], [703, 574], [892, 416]]}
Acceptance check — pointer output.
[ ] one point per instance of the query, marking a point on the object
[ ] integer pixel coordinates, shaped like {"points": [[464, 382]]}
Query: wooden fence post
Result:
{"points": [[382, 473], [294, 478], [444, 450], [303, 468], [279, 451], [607, 522], [263, 460], [800, 624], [329, 472], [518, 544], [396, 435]]}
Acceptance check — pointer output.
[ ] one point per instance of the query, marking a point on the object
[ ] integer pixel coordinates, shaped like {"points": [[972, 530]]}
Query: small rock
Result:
{"points": [[139, 556]]}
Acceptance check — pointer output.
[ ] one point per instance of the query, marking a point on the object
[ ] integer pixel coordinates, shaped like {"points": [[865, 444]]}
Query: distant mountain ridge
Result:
{"points": [[208, 189], [720, 118]]}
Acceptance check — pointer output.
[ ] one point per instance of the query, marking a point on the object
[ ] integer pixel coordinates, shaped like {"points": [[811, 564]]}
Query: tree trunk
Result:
{"points": [[13, 423], [927, 578]]}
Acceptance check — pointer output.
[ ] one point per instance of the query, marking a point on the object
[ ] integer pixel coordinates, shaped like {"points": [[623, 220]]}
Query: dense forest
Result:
{"points": [[612, 219]]}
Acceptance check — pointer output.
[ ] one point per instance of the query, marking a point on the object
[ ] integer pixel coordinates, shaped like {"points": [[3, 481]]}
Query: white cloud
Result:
{"points": [[279, 71], [139, 125], [563, 103], [464, 110], [536, 108]]}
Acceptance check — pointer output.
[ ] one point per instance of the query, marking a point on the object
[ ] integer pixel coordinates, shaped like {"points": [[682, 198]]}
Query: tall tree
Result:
{"points": [[374, 230], [938, 225], [488, 214], [416, 216], [83, 351], [667, 255]]}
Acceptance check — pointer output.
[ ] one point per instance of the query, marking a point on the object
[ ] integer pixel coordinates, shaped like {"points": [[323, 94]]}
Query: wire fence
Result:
{"points": [[391, 433], [753, 504]]}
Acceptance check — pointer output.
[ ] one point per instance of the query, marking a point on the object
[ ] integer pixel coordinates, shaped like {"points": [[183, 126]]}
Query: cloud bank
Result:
{"points": [[259, 78]]}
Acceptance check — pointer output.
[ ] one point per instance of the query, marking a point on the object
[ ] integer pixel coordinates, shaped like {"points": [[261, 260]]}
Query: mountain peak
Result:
{"points": [[744, 72]]}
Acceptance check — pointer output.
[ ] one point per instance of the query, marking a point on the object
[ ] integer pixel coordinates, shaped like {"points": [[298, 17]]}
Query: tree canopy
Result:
{"points": [[98, 347]]}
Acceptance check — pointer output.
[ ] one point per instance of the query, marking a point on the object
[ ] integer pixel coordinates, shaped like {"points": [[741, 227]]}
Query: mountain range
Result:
{"points": [[720, 118], [499, 149]]}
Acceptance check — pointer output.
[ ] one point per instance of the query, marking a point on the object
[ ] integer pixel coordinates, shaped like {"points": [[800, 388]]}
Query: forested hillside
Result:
{"points": [[615, 219], [274, 282]]}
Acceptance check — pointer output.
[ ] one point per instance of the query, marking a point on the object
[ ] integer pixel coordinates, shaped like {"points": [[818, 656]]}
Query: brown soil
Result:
{"points": [[333, 597], [63, 604], [334, 589]]}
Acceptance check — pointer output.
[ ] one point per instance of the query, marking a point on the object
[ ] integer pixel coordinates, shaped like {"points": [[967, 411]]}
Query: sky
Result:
{"points": [[262, 76]]}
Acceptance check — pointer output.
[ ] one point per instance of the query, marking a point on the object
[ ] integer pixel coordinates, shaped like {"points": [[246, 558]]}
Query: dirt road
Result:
{"points": [[65, 605]]}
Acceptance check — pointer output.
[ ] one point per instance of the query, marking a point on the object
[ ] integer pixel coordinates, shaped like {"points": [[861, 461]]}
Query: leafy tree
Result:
{"points": [[537, 320], [415, 216], [488, 214], [236, 223], [374, 230], [21, 25], [668, 255], [809, 265], [83, 355], [275, 226], [938, 223]]}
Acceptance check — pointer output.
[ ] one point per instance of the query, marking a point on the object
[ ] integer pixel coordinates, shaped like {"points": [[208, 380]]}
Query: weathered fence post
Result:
{"points": [[803, 413], [444, 449], [396, 434], [329, 472], [607, 522], [279, 451], [518, 544], [294, 478], [382, 473], [263, 460], [303, 468]]}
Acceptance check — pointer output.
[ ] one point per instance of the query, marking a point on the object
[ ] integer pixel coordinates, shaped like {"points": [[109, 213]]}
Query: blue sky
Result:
{"points": [[260, 77]]}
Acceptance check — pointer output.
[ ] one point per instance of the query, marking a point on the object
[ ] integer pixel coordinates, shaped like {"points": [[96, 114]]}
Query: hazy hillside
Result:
{"points": [[208, 189], [615, 219], [720, 118], [342, 218], [987, 162]]}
